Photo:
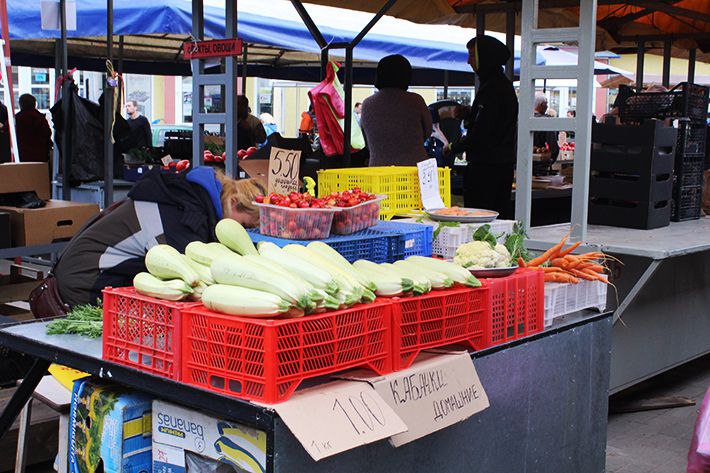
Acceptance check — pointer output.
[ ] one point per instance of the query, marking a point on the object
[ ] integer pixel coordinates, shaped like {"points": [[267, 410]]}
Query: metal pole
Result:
{"points": [[244, 69], [667, 44], [323, 62], [198, 29], [55, 149], [348, 103], [230, 94], [6, 50], [108, 112], [66, 107], [692, 53], [510, 42], [523, 173], [640, 56], [446, 84], [120, 56], [583, 120]]}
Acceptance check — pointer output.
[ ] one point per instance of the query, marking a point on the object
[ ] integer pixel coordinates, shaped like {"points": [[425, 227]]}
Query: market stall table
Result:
{"points": [[661, 318], [547, 394]]}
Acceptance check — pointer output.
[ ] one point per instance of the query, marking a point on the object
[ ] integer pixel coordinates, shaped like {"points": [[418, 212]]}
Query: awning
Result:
{"points": [[619, 23], [279, 44]]}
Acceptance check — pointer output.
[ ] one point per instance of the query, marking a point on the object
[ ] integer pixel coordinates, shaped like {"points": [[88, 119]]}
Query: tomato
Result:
{"points": [[352, 202], [293, 205], [209, 158], [182, 165], [172, 164], [259, 199], [304, 205], [251, 150], [241, 154]]}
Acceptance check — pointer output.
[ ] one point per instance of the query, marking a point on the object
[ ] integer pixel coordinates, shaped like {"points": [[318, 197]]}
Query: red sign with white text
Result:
{"points": [[214, 48]]}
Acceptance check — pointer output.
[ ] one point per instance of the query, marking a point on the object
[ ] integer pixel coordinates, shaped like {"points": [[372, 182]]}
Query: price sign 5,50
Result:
{"points": [[284, 167]]}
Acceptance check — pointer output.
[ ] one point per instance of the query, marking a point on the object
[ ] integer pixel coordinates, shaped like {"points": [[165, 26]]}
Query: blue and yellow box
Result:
{"points": [[110, 429]]}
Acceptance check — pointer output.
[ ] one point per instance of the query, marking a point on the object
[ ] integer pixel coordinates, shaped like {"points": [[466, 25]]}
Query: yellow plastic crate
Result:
{"points": [[400, 183]]}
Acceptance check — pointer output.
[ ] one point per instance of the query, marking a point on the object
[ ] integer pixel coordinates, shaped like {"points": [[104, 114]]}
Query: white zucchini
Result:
{"points": [[165, 262], [454, 271], [318, 277], [235, 300], [172, 290], [202, 271], [337, 259], [388, 283], [232, 235], [438, 280]]}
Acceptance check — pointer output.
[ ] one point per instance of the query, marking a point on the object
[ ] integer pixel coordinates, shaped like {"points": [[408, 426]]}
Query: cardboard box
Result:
{"points": [[179, 433], [25, 177], [109, 428], [58, 220]]}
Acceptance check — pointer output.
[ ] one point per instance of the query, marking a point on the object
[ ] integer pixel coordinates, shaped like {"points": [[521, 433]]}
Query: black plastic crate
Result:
{"points": [[691, 138], [634, 187], [690, 173], [687, 203], [684, 100], [629, 214]]}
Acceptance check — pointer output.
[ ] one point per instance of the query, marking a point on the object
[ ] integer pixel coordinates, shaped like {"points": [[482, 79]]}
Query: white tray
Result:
{"points": [[566, 298]]}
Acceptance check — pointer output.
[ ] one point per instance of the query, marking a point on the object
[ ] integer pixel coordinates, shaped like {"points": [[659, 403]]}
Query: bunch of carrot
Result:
{"points": [[560, 265]]}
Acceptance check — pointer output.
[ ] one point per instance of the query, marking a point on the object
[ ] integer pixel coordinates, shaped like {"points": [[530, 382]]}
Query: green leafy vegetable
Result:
{"points": [[484, 234], [515, 243], [441, 225], [84, 320]]}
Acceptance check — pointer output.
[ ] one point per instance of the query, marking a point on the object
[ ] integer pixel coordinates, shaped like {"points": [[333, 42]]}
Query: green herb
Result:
{"points": [[515, 243], [84, 320], [484, 234], [441, 225]]}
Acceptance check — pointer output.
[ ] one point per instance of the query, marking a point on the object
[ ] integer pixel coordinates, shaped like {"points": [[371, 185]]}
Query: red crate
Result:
{"points": [[437, 319], [266, 359], [143, 332], [517, 306]]}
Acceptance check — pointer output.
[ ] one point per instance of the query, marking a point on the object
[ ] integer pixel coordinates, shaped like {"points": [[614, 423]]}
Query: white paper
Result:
{"points": [[429, 185], [50, 13]]}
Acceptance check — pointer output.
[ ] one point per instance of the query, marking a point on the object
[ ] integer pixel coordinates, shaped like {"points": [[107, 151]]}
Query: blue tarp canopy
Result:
{"points": [[280, 46]]}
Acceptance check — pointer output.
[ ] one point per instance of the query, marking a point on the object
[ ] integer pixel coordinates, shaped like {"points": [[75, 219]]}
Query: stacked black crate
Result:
{"points": [[687, 104], [631, 179]]}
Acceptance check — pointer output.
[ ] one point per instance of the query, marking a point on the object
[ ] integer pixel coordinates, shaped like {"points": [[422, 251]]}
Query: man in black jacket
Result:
{"points": [[5, 154], [491, 123], [141, 133]]}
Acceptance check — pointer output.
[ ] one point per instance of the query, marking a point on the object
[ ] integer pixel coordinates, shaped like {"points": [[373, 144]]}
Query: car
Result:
{"points": [[160, 130]]}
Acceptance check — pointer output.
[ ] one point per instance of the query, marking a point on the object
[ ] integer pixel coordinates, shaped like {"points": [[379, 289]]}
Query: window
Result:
{"points": [[42, 96], [39, 76]]}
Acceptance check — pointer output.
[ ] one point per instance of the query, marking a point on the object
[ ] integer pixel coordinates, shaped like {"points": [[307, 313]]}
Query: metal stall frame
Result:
{"points": [[348, 47]]}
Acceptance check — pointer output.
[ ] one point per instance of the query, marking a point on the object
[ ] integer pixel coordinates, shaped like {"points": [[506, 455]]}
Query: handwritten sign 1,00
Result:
{"points": [[284, 166]]}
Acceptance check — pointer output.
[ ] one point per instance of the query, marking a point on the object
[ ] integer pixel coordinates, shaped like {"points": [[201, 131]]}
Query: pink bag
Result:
{"points": [[699, 453]]}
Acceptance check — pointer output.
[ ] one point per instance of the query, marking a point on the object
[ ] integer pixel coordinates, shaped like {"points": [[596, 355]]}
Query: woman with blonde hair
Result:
{"points": [[162, 208]]}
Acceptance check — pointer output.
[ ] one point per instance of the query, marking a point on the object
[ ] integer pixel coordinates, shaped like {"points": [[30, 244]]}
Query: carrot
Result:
{"points": [[521, 262], [560, 277], [582, 274], [552, 269], [597, 268], [549, 254], [559, 263], [569, 249]]}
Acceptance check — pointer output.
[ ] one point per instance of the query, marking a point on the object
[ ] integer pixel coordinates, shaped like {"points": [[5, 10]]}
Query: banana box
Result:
{"points": [[181, 435], [110, 429]]}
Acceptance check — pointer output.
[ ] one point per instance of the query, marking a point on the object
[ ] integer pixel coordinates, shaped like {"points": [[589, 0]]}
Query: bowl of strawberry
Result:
{"points": [[358, 210], [297, 216]]}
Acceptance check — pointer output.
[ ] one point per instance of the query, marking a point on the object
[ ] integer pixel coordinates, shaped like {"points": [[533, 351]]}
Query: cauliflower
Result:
{"points": [[480, 255]]}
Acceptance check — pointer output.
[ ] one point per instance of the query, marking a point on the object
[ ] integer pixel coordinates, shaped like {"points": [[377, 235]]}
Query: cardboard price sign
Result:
{"points": [[429, 185], [215, 48], [336, 417], [284, 166], [440, 389]]}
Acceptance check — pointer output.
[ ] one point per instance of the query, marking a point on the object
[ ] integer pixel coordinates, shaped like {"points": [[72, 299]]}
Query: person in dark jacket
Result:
{"points": [[34, 137], [5, 155], [141, 133], [491, 124], [162, 208]]}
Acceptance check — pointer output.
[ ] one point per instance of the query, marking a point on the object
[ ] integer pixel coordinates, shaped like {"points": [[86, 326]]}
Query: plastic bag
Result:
{"points": [[328, 103], [699, 453]]}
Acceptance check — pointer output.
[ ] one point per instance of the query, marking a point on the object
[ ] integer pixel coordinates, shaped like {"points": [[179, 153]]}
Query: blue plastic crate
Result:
{"points": [[370, 244], [413, 239], [386, 242]]}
